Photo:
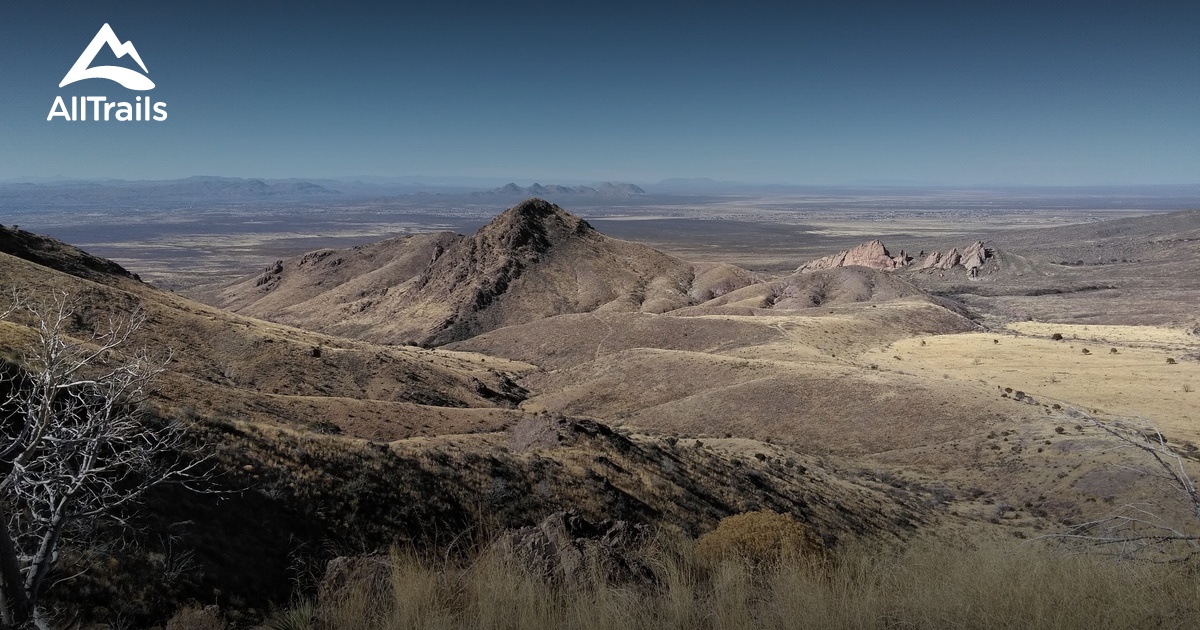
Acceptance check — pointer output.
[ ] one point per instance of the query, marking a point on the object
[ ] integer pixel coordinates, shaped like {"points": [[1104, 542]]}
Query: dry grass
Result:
{"points": [[927, 586], [1147, 336], [1137, 380]]}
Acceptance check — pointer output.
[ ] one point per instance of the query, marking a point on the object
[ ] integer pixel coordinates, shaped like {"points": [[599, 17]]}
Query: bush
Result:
{"points": [[196, 618], [760, 537], [1056, 337], [299, 617]]}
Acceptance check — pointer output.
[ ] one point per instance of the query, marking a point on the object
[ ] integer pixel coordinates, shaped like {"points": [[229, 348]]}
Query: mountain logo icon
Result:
{"points": [[130, 79]]}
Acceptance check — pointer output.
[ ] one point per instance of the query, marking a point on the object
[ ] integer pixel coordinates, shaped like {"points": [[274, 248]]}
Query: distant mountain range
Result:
{"points": [[31, 196], [172, 192], [606, 189]]}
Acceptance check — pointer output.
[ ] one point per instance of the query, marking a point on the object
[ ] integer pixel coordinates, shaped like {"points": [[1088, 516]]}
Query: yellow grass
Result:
{"points": [[1137, 380], [1149, 335]]}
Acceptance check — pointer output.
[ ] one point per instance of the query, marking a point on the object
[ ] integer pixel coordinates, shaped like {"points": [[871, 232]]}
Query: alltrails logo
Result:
{"points": [[99, 107]]}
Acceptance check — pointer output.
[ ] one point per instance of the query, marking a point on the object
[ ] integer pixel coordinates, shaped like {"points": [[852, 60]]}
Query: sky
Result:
{"points": [[843, 92]]}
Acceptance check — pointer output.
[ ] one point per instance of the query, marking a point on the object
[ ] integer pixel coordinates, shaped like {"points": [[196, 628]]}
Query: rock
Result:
{"points": [[951, 259], [871, 254], [566, 548], [550, 430], [973, 258], [875, 256], [538, 432], [366, 575]]}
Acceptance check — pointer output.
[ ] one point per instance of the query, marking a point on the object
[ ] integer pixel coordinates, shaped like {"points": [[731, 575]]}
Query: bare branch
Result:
{"points": [[74, 444], [1137, 528]]}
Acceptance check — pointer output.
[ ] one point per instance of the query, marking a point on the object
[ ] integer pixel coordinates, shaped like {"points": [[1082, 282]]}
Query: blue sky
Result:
{"points": [[952, 93]]}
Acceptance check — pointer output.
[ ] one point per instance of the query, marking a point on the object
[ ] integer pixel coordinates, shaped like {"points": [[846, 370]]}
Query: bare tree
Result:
{"points": [[1138, 529], [75, 445]]}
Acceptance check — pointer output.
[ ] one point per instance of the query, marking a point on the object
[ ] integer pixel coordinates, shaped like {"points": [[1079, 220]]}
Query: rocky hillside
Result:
{"points": [[534, 260], [226, 364]]}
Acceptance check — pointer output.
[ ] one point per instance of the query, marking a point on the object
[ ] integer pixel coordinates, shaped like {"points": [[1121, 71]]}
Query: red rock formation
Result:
{"points": [[875, 256], [872, 255]]}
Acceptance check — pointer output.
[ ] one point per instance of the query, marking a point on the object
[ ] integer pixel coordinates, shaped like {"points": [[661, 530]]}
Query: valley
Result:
{"points": [[478, 373]]}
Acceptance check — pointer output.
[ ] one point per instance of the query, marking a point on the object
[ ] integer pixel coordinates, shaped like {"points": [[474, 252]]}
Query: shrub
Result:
{"points": [[196, 618], [1170, 361], [299, 617], [1056, 337], [1086, 351], [760, 537]]}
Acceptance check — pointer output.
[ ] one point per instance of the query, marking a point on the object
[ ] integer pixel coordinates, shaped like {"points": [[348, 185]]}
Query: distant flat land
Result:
{"points": [[177, 245]]}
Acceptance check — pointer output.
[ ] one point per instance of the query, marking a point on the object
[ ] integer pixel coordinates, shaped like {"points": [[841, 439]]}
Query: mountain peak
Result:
{"points": [[534, 224], [604, 189]]}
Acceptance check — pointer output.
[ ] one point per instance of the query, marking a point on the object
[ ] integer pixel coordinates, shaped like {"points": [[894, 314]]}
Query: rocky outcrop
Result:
{"points": [[875, 256], [872, 255], [566, 548], [974, 257], [931, 261]]}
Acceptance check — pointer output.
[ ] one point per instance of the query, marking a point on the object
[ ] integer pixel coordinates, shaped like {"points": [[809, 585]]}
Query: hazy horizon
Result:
{"points": [[436, 181]]}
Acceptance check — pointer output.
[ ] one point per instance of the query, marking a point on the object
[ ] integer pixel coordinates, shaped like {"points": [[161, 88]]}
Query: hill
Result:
{"points": [[580, 371], [321, 444], [234, 366], [532, 261]]}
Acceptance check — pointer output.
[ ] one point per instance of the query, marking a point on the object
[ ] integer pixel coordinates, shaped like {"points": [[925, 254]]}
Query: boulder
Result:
{"points": [[370, 576], [566, 548]]}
